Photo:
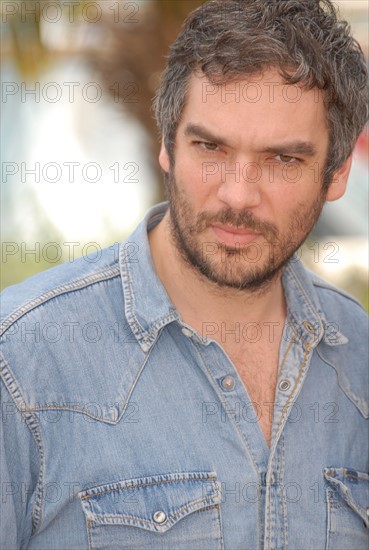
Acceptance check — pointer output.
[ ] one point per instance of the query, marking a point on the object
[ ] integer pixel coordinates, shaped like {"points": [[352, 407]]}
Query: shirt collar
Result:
{"points": [[303, 307], [148, 307], [305, 312]]}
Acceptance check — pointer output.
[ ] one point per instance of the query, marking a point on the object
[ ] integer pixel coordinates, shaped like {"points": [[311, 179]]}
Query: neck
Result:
{"points": [[199, 300]]}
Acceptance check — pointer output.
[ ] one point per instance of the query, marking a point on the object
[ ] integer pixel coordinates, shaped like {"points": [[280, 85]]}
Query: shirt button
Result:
{"points": [[284, 385], [228, 383], [187, 332], [309, 326], [159, 516]]}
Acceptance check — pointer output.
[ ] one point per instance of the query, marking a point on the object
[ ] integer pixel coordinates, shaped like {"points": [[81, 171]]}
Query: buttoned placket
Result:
{"points": [[237, 407], [296, 351]]}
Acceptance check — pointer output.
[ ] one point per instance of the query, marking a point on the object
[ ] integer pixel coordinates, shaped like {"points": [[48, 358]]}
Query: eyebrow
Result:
{"points": [[195, 130], [305, 148]]}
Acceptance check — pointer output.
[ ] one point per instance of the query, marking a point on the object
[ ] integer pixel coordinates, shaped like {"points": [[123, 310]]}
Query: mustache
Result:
{"points": [[240, 220]]}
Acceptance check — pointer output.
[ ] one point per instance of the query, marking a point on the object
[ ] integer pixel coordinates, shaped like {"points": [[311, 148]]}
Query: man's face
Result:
{"points": [[246, 188]]}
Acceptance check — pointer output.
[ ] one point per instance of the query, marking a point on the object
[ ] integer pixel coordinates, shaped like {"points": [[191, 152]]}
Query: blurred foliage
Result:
{"points": [[30, 55], [24, 19], [130, 53], [130, 57], [138, 56]]}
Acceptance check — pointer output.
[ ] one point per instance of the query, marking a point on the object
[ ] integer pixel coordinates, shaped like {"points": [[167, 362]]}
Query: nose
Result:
{"points": [[240, 185]]}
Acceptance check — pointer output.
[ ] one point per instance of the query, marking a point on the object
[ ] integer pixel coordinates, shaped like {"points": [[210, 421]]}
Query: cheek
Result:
{"points": [[295, 189], [194, 181], [281, 205]]}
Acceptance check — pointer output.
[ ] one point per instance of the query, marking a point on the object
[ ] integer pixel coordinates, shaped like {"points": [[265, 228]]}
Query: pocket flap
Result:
{"points": [[154, 503], [352, 487]]}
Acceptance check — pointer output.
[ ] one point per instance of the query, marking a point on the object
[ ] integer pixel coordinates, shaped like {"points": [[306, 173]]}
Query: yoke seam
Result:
{"points": [[78, 284]]}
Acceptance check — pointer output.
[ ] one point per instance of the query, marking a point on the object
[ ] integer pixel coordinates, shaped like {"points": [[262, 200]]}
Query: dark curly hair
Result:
{"points": [[230, 39]]}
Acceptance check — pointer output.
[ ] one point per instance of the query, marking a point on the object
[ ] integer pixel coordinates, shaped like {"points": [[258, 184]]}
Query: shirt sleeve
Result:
{"points": [[19, 473]]}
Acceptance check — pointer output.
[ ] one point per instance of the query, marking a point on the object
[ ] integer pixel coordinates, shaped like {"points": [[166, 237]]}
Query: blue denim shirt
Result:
{"points": [[119, 431]]}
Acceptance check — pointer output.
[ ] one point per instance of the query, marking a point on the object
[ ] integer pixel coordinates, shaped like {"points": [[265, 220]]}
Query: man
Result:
{"points": [[197, 388]]}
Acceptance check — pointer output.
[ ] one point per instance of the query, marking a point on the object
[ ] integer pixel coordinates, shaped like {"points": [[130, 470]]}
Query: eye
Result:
{"points": [[206, 145], [285, 159]]}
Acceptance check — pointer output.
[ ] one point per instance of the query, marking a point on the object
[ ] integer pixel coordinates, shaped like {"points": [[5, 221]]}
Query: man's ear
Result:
{"points": [[339, 181], [164, 157]]}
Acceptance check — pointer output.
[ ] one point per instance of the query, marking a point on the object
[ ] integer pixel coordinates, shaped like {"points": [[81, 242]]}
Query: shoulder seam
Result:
{"points": [[97, 277]]}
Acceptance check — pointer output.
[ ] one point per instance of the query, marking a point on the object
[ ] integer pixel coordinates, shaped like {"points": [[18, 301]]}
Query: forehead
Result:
{"points": [[256, 107]]}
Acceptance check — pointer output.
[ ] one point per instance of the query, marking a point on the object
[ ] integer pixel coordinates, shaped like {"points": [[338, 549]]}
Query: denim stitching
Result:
{"points": [[276, 433], [348, 500], [269, 515], [146, 337], [223, 401], [301, 335], [282, 418], [308, 300], [102, 419], [129, 300], [62, 289], [173, 516], [85, 497], [329, 494], [77, 410], [89, 534], [285, 355], [304, 360], [268, 491], [217, 506], [260, 521], [31, 421], [360, 403], [283, 499], [177, 476], [339, 291], [160, 323], [133, 385], [310, 305], [94, 417]]}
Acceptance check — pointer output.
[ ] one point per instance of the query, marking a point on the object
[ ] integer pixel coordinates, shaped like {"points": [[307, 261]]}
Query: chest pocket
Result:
{"points": [[180, 510], [348, 509]]}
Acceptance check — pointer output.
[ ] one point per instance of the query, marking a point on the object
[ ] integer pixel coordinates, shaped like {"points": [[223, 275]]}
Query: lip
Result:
{"points": [[234, 236]]}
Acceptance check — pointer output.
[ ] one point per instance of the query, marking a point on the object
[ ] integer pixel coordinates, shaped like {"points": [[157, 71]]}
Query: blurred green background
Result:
{"points": [[79, 143]]}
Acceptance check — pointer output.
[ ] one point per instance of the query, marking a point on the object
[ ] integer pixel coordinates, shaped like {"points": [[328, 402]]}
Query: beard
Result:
{"points": [[252, 267]]}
